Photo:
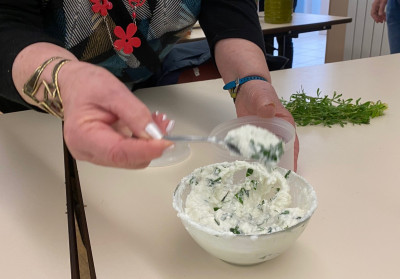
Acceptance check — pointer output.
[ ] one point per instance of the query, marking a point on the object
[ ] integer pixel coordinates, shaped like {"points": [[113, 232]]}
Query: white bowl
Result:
{"points": [[277, 126], [246, 249]]}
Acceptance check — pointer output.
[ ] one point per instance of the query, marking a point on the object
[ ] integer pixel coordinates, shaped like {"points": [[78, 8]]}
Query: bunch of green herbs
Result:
{"points": [[328, 111]]}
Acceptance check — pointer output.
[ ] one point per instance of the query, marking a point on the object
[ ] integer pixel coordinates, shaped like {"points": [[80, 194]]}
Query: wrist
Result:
{"points": [[234, 86], [44, 92], [69, 75]]}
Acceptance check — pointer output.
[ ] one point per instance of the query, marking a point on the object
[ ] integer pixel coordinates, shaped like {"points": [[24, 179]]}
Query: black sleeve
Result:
{"points": [[20, 26], [222, 19]]}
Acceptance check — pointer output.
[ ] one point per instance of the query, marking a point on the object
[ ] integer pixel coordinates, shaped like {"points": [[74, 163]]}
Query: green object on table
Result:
{"points": [[328, 111], [278, 11]]}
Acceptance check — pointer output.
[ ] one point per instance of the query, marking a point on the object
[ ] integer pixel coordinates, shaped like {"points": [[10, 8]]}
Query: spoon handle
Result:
{"points": [[190, 138]]}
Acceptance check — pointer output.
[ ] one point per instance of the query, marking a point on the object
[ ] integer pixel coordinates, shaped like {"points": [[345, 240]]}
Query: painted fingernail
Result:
{"points": [[153, 130], [172, 146], [170, 126]]}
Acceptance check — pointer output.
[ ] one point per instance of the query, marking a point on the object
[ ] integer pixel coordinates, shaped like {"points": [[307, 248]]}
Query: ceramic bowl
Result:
{"points": [[246, 249]]}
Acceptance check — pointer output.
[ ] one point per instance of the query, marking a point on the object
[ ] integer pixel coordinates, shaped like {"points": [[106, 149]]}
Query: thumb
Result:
{"points": [[265, 105], [381, 11], [266, 110]]}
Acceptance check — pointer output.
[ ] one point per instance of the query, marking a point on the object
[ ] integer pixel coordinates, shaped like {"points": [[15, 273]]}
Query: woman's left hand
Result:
{"points": [[259, 98]]}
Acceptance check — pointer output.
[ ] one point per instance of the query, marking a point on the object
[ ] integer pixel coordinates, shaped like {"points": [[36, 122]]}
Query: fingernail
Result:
{"points": [[270, 107], [266, 110], [172, 146], [164, 117], [157, 112], [170, 126], [153, 131]]}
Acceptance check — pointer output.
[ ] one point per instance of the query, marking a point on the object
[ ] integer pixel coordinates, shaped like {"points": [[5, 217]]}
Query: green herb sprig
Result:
{"points": [[308, 110]]}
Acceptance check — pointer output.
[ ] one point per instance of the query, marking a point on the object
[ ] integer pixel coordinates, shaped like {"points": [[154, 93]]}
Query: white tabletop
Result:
{"points": [[33, 230], [301, 22], [134, 230]]}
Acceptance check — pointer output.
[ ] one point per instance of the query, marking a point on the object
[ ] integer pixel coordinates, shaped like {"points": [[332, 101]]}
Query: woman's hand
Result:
{"points": [[259, 98], [104, 123], [240, 58], [378, 11]]}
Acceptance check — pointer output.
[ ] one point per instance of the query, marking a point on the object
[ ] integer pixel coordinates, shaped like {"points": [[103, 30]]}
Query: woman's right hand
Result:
{"points": [[95, 103], [378, 11]]}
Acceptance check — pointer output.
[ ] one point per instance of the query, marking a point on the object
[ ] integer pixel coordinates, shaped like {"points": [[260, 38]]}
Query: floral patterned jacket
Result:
{"points": [[86, 28]]}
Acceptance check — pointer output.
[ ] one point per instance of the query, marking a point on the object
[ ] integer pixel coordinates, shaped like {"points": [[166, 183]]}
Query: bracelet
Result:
{"points": [[52, 102], [234, 85]]}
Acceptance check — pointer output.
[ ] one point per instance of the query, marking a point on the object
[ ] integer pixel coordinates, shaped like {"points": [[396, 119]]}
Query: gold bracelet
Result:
{"points": [[52, 102]]}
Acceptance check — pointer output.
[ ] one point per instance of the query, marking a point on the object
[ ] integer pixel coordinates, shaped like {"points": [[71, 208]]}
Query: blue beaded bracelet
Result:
{"points": [[233, 86]]}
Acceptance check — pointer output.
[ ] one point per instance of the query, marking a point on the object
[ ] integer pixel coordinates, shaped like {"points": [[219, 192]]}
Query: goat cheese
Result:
{"points": [[241, 198], [254, 142]]}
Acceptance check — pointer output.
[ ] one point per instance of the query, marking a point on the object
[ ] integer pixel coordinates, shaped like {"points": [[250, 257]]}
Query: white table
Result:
{"points": [[354, 233], [33, 230], [134, 230], [301, 23]]}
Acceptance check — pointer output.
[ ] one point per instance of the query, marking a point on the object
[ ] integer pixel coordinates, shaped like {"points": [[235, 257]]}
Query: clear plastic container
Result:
{"points": [[179, 152], [278, 126]]}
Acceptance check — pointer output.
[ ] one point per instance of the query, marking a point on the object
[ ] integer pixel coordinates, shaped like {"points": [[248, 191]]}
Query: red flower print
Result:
{"points": [[101, 6], [127, 42], [136, 3]]}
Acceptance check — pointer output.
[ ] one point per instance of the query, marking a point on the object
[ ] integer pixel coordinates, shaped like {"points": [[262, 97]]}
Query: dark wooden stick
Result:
{"points": [[75, 207], [73, 249]]}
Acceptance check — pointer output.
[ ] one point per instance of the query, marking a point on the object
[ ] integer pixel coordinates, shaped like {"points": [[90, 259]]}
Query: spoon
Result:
{"points": [[189, 138], [267, 155]]}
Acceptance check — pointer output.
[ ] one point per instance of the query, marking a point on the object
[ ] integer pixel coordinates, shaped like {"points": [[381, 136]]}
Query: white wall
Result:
{"points": [[325, 7]]}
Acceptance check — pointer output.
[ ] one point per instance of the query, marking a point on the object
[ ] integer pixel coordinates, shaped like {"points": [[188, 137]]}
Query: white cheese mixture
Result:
{"points": [[242, 198], [257, 143]]}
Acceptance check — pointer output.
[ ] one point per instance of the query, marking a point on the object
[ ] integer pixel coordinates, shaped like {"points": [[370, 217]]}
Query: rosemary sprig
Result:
{"points": [[308, 110]]}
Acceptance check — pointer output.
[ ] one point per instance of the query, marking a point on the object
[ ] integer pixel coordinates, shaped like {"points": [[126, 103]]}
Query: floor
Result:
{"points": [[82, 256], [309, 49]]}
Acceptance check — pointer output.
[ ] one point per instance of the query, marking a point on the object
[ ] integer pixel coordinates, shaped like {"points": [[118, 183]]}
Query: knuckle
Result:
{"points": [[118, 156]]}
